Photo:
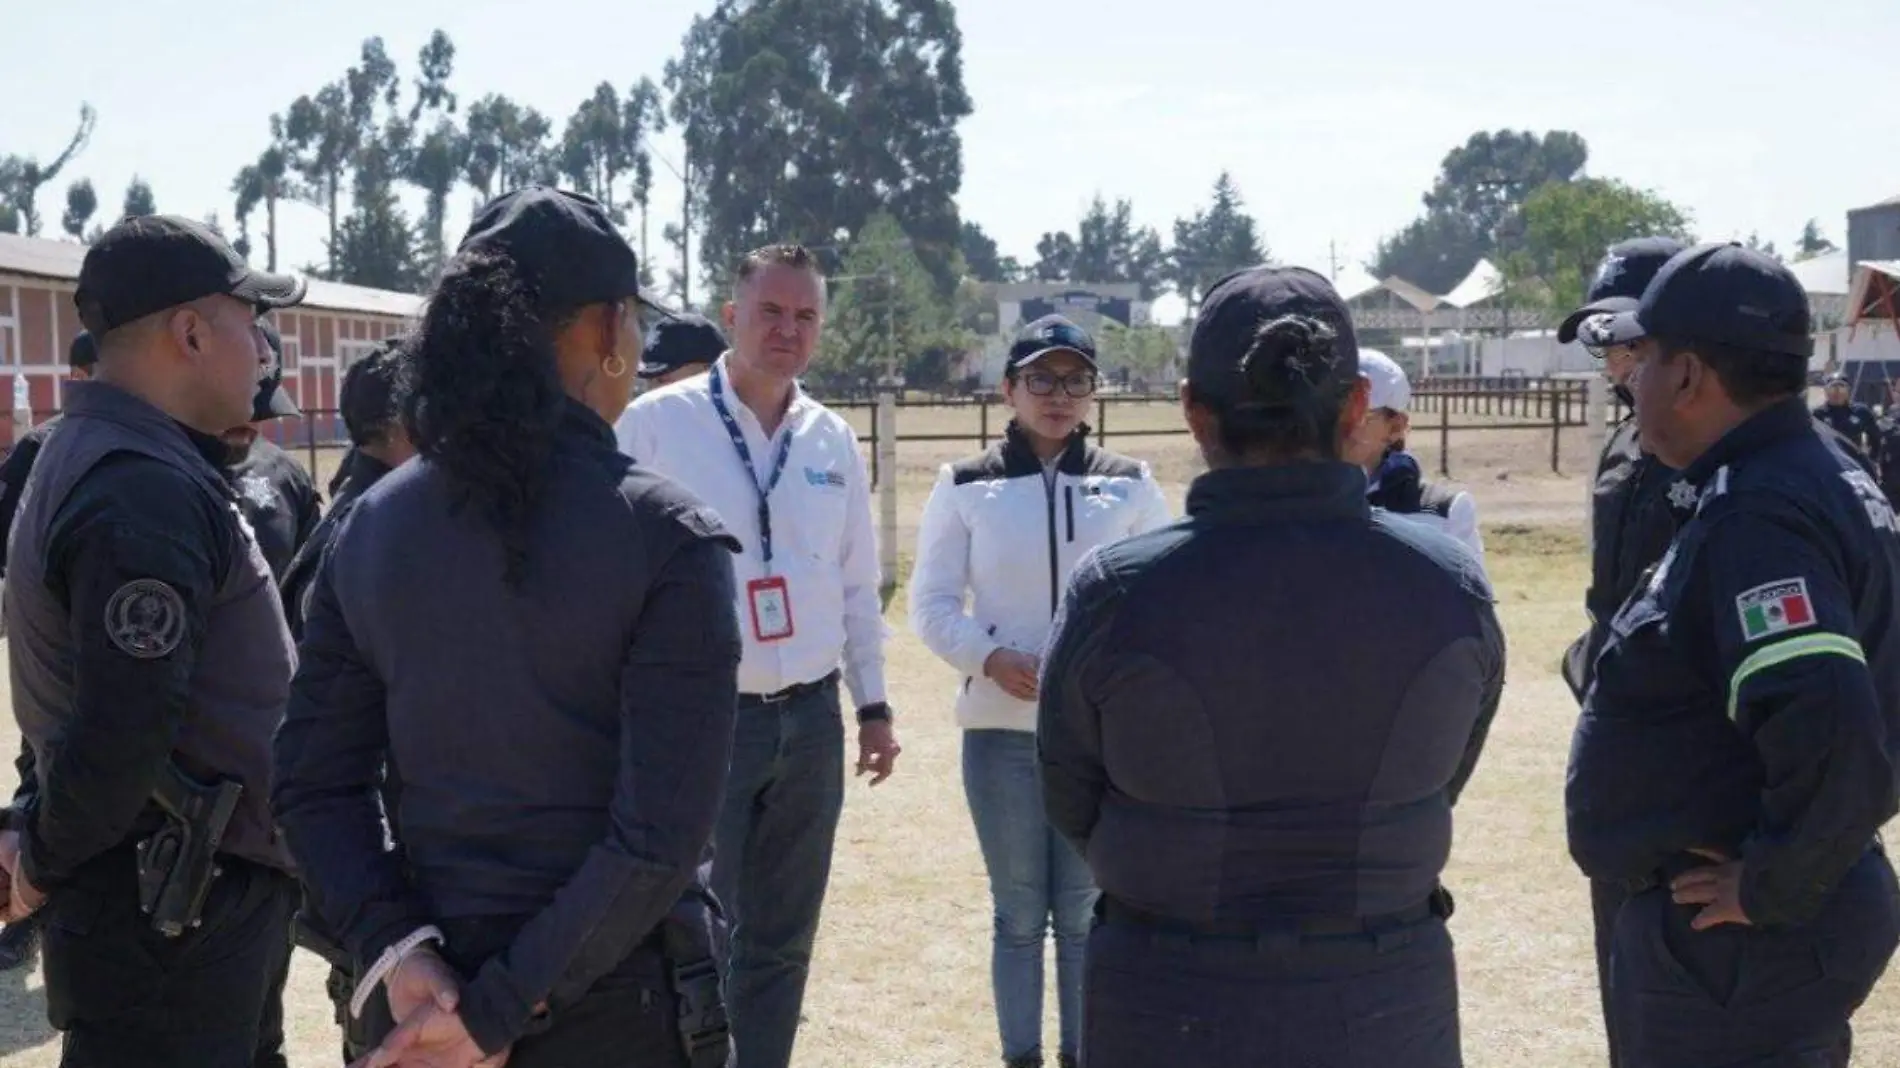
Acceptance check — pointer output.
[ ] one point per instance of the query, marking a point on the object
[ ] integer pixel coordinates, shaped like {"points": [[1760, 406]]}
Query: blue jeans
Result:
{"points": [[772, 862], [1035, 875]]}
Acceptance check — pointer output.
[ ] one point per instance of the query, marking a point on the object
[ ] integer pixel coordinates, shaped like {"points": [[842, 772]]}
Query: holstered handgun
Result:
{"points": [[179, 861], [690, 938]]}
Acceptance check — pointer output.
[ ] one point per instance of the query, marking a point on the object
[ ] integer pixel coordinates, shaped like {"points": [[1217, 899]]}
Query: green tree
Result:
{"points": [[982, 259], [1813, 242], [1143, 351], [139, 199], [266, 182], [81, 202], [642, 115], [21, 178], [433, 161], [593, 153], [376, 245], [804, 118], [1765, 247], [1474, 207], [507, 146], [1107, 248], [884, 309], [1216, 241], [1567, 225]]}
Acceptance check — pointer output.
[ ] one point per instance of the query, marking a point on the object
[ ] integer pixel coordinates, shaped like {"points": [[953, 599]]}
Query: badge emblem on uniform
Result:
{"points": [[1774, 608], [1682, 495], [257, 490], [145, 619]]}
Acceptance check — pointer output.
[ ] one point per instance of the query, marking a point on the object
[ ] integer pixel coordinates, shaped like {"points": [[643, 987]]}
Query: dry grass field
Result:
{"points": [[901, 977]]}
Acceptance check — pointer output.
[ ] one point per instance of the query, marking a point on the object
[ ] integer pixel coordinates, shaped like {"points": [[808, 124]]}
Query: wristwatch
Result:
{"points": [[876, 712]]}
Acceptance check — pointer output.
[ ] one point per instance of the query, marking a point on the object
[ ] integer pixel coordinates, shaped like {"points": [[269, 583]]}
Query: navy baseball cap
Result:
{"points": [[1051, 333], [84, 351], [373, 392], [1229, 323], [272, 400], [1623, 274], [676, 342], [565, 245], [149, 263], [1720, 293]]}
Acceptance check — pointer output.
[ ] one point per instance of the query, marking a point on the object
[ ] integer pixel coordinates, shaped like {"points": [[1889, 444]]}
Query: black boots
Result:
{"points": [[1034, 1060]]}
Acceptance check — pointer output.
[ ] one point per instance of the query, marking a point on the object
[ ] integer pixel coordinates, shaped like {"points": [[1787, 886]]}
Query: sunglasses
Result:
{"points": [[1077, 384]]}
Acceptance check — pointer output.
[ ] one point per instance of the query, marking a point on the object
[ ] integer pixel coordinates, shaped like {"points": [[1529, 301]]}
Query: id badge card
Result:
{"points": [[771, 609]]}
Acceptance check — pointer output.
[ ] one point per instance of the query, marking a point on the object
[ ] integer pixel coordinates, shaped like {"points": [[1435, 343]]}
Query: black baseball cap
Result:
{"points": [[565, 245], [272, 400], [373, 392], [1229, 322], [1623, 274], [1721, 293], [148, 263], [673, 343], [84, 351], [1051, 333]]}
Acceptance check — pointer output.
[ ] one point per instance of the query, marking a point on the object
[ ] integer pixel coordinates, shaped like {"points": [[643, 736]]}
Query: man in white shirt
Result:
{"points": [[785, 475]]}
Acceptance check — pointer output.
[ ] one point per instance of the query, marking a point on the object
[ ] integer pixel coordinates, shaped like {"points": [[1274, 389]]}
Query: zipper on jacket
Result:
{"points": [[1068, 502], [1055, 577]]}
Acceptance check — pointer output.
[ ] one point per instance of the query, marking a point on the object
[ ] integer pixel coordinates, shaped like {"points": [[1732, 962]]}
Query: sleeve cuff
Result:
{"points": [[495, 1013]]}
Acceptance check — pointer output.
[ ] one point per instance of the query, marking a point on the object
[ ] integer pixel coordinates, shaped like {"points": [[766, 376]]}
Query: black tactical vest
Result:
{"points": [[242, 677]]}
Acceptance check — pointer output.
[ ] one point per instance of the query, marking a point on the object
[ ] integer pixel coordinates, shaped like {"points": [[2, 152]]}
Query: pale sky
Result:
{"points": [[1754, 114]]}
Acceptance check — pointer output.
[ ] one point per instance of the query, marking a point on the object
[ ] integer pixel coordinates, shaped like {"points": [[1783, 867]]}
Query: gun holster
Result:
{"points": [[688, 944], [178, 863]]}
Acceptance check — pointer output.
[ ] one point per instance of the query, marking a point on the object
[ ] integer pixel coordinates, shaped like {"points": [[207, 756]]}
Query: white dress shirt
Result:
{"points": [[823, 543]]}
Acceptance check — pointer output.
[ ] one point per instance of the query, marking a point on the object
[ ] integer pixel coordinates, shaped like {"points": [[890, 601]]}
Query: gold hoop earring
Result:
{"points": [[614, 366]]}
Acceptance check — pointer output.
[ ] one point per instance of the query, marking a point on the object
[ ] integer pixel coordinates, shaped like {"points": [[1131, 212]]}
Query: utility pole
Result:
{"points": [[1332, 255], [686, 220]]}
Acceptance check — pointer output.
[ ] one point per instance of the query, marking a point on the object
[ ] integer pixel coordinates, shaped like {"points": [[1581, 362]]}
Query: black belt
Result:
{"points": [[1438, 904], [797, 690], [1665, 873]]}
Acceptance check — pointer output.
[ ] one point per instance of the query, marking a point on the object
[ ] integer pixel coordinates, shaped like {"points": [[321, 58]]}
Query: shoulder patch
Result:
{"points": [[1774, 608], [145, 619]]}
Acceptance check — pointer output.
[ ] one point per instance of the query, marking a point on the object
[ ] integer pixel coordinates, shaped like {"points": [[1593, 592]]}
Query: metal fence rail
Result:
{"points": [[1441, 405]]}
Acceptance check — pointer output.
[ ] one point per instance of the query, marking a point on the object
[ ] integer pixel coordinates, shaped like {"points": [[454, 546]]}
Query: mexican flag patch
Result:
{"points": [[1774, 608]]}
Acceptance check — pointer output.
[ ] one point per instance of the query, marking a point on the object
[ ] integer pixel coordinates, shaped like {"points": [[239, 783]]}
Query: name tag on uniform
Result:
{"points": [[771, 609]]}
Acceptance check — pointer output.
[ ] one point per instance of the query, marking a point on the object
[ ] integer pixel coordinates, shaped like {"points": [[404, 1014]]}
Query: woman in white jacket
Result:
{"points": [[1005, 527]]}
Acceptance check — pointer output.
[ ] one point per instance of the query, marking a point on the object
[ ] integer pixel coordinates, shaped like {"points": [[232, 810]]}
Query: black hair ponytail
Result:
{"points": [[1293, 396], [487, 400]]}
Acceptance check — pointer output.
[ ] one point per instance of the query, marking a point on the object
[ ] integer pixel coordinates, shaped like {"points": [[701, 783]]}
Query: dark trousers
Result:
{"points": [[772, 861], [1152, 998], [1606, 900], [1744, 997], [629, 1018], [125, 995]]}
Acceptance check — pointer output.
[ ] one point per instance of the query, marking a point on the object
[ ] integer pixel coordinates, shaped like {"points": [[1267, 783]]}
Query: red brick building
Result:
{"points": [[332, 328]]}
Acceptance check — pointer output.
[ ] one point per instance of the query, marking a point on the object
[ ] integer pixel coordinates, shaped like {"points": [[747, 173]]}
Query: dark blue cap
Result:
{"points": [[1228, 326], [1051, 333], [147, 264], [565, 245], [677, 342], [1721, 294], [1626, 270]]}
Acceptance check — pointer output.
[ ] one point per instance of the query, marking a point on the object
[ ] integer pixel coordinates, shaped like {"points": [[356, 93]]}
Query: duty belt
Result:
{"points": [[1438, 904]]}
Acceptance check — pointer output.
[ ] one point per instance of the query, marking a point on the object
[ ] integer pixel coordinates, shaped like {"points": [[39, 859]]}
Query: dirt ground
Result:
{"points": [[901, 978]]}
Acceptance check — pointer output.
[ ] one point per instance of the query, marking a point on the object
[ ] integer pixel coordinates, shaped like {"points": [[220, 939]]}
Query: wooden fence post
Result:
{"points": [[884, 447]]}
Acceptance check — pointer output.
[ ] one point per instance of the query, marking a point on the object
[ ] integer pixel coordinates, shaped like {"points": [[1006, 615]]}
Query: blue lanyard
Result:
{"points": [[745, 457]]}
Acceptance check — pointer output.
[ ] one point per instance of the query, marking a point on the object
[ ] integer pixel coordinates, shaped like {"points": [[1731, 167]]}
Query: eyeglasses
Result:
{"points": [[1077, 384]]}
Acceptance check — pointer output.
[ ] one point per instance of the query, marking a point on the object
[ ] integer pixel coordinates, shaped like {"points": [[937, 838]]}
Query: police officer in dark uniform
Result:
{"points": [[278, 496], [18, 940], [371, 398], [537, 637], [150, 665], [1887, 447], [677, 348], [1847, 417], [1265, 807], [1633, 515], [1735, 756]]}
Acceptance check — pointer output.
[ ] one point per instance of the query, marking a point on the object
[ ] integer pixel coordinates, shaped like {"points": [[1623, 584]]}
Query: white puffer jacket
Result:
{"points": [[998, 530]]}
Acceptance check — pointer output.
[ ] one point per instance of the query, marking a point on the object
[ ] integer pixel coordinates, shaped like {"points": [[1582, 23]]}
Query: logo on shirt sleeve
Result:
{"points": [[1775, 608], [145, 619]]}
